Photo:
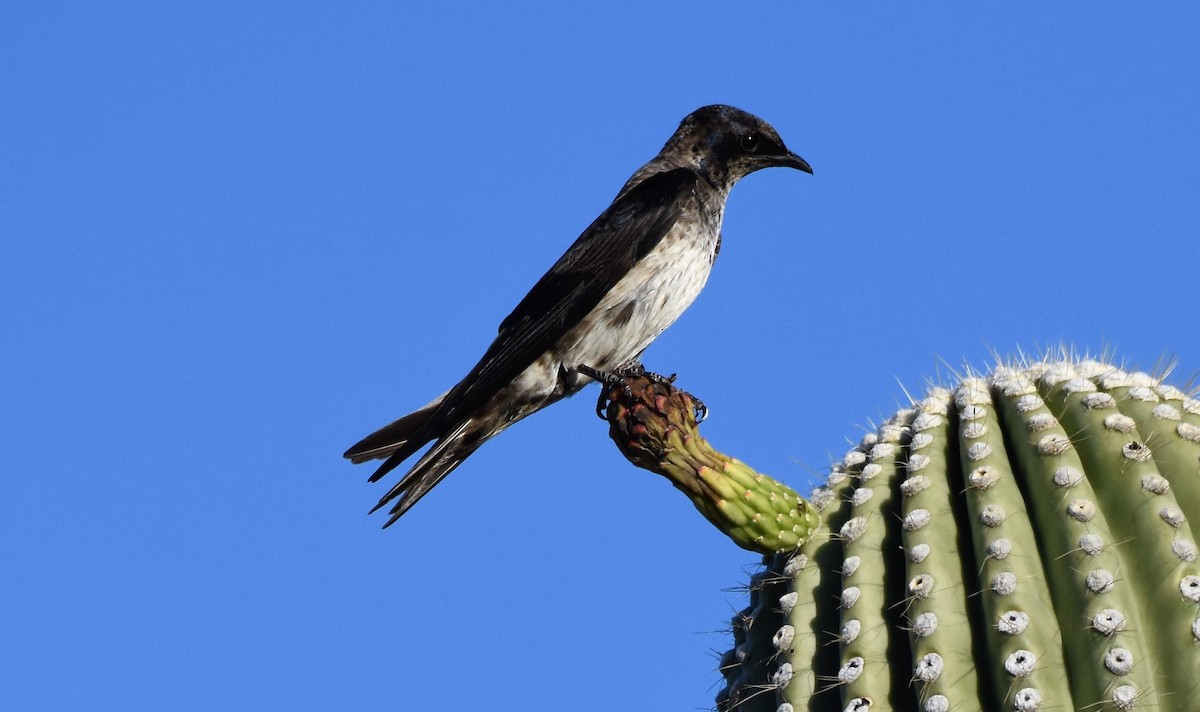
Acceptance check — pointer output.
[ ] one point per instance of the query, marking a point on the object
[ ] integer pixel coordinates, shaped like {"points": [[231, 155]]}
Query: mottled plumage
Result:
{"points": [[628, 277]]}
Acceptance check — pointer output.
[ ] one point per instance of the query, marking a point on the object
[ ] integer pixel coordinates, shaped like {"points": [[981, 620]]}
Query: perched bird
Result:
{"points": [[622, 283]]}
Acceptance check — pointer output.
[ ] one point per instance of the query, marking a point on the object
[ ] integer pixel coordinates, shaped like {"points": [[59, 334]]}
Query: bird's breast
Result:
{"points": [[647, 300]]}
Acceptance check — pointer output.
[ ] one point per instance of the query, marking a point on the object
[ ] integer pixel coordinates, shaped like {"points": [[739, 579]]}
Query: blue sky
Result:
{"points": [[239, 236]]}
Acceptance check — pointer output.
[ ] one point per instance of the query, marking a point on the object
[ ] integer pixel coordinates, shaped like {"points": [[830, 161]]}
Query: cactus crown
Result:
{"points": [[1022, 541]]}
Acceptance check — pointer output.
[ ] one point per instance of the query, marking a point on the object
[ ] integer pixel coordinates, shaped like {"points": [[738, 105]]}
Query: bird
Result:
{"points": [[627, 278]]}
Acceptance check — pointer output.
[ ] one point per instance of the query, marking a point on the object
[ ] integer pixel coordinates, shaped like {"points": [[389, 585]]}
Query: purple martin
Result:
{"points": [[627, 278]]}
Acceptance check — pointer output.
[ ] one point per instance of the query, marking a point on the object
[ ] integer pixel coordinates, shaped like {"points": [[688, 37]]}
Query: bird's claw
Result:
{"points": [[605, 379], [698, 407], [622, 374]]}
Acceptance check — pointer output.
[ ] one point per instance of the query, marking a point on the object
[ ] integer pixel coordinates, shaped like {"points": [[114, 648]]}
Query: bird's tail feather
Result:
{"points": [[447, 454], [401, 436]]}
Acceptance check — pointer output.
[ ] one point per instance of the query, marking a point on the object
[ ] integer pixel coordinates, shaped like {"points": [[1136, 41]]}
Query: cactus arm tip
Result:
{"points": [[654, 425]]}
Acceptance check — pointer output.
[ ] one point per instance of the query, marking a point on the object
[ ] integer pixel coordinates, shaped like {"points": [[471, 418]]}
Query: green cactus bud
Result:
{"points": [[1022, 541]]}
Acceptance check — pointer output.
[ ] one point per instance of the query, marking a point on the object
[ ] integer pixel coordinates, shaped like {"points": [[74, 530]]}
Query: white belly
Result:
{"points": [[652, 296]]}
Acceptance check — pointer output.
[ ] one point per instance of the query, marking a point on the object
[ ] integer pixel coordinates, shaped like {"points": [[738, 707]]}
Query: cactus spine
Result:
{"points": [[1024, 541]]}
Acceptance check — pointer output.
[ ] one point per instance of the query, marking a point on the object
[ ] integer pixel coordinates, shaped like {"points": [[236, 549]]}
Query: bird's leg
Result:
{"points": [[605, 379], [632, 368], [627, 370]]}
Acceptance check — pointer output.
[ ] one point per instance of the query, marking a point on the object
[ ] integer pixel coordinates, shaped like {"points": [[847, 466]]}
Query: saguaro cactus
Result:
{"points": [[1022, 541]]}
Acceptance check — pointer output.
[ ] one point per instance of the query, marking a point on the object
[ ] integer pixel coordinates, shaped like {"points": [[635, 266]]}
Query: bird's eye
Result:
{"points": [[749, 142]]}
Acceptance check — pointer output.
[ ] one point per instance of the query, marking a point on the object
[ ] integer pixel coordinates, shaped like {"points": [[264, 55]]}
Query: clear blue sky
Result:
{"points": [[238, 236]]}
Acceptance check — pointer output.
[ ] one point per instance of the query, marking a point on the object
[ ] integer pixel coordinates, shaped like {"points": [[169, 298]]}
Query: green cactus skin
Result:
{"points": [[1023, 541]]}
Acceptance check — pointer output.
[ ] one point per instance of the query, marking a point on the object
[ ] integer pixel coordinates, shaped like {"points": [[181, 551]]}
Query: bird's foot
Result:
{"points": [[606, 379], [622, 375]]}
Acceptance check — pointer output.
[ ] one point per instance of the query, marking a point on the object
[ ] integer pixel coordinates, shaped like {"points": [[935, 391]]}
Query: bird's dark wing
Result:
{"points": [[602, 255]]}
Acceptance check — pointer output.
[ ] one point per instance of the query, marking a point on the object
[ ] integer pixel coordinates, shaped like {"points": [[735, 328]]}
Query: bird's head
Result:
{"points": [[726, 144]]}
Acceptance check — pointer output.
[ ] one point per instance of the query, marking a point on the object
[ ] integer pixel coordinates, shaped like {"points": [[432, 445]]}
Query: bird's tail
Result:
{"points": [[401, 436], [401, 439], [446, 454]]}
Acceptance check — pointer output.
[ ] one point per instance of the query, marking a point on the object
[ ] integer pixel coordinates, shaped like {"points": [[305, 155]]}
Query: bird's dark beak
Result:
{"points": [[791, 160]]}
